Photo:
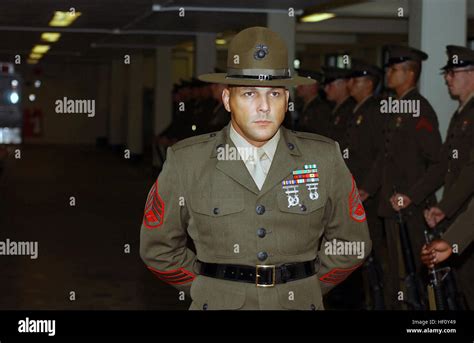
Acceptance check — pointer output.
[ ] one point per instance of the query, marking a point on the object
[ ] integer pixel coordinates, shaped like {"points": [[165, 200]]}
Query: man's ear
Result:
{"points": [[226, 98]]}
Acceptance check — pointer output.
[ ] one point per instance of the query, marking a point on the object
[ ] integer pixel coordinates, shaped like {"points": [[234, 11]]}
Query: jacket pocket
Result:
{"points": [[299, 227], [214, 294], [304, 294]]}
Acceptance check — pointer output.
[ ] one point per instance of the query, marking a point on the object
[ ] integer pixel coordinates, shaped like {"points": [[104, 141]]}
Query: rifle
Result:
{"points": [[412, 282], [442, 289], [374, 274], [435, 287]]}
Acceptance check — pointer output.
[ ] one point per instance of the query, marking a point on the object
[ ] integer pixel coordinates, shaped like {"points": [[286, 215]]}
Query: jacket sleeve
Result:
{"points": [[431, 181], [428, 140], [163, 237], [373, 180], [460, 192], [345, 225], [461, 232]]}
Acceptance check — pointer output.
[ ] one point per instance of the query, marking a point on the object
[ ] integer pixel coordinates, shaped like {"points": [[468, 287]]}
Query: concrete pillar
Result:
{"points": [[103, 105], [163, 106], [117, 104], [205, 53], [285, 26], [135, 106], [433, 24]]}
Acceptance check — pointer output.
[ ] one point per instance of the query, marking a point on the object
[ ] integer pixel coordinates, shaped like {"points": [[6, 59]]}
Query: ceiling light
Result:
{"points": [[63, 19], [34, 56], [50, 37], [40, 49], [315, 17]]}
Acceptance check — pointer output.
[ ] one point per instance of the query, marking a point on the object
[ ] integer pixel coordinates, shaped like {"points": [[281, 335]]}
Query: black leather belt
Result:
{"points": [[261, 275]]}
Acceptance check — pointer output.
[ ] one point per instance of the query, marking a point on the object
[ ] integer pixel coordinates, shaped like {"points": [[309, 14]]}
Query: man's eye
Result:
{"points": [[275, 93], [248, 94]]}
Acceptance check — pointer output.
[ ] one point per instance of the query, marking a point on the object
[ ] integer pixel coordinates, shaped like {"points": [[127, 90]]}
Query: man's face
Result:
{"points": [[306, 91], [358, 86], [257, 112], [459, 81], [397, 75], [335, 88]]}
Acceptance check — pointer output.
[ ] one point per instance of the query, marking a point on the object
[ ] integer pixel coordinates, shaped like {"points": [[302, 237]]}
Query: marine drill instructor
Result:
{"points": [[256, 221]]}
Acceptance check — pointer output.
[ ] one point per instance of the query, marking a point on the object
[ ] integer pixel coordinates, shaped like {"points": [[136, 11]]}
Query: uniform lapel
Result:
{"points": [[284, 162], [235, 169]]}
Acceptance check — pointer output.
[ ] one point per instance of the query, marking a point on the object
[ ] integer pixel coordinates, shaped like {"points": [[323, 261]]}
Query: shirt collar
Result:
{"points": [[241, 143], [406, 92], [361, 103], [340, 104], [461, 107]]}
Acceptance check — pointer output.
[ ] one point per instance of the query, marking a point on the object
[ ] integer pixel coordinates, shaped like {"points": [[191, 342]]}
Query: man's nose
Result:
{"points": [[264, 104]]}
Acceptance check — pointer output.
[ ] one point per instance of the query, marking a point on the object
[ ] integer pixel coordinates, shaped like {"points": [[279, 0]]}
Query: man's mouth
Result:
{"points": [[262, 122]]}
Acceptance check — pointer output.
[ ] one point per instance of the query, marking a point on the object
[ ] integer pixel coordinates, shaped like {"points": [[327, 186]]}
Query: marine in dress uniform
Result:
{"points": [[336, 88], [361, 145], [455, 168], [316, 112], [412, 143], [263, 225]]}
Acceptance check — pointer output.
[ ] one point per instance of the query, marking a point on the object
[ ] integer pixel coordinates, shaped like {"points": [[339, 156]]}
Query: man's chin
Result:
{"points": [[264, 135]]}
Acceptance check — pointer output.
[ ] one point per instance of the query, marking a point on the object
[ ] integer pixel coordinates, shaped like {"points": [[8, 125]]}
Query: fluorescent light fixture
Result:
{"points": [[315, 17], [34, 56], [40, 49], [50, 37], [221, 41], [63, 18]]}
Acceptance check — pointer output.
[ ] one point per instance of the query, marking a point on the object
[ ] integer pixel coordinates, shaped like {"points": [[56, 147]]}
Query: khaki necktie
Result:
{"points": [[260, 167]]}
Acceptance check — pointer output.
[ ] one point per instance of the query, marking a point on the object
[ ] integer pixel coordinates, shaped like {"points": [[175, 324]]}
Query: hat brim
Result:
{"points": [[223, 79]]}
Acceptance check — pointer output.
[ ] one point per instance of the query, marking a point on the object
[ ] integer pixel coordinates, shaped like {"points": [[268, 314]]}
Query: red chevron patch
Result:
{"points": [[337, 275], [154, 209], [356, 209], [173, 277]]}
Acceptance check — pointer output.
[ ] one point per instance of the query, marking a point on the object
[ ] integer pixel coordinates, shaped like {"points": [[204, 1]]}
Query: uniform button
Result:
{"points": [[313, 308], [261, 232], [260, 209], [290, 146], [262, 255], [216, 210], [213, 134], [303, 208], [204, 307]]}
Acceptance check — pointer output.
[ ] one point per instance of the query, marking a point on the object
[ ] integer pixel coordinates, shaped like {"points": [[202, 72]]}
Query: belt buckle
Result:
{"points": [[257, 275]]}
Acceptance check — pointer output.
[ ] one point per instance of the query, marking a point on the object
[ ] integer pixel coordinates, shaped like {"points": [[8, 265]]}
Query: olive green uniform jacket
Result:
{"points": [[217, 203]]}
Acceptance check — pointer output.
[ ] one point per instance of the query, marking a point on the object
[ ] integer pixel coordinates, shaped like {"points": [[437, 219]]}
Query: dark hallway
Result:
{"points": [[81, 248]]}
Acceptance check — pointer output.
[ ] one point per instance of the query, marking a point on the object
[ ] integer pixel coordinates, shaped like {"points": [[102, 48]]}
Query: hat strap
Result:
{"points": [[259, 74]]}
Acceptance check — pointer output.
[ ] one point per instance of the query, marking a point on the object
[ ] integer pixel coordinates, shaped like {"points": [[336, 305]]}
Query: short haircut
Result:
{"points": [[415, 67]]}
